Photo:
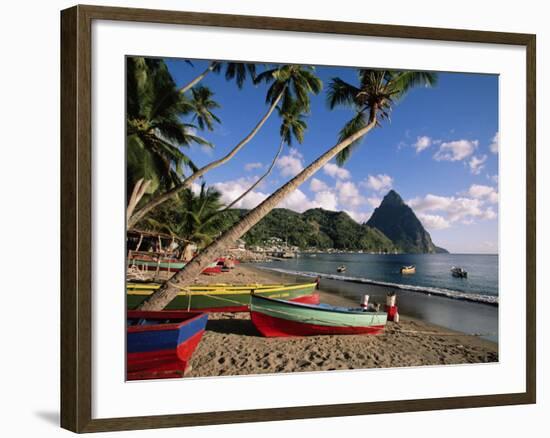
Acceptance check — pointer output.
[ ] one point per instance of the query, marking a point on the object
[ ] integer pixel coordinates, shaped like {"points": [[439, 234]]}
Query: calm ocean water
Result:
{"points": [[432, 272]]}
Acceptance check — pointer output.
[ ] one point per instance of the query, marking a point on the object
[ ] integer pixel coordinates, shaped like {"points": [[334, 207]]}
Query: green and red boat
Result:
{"points": [[222, 297], [280, 318]]}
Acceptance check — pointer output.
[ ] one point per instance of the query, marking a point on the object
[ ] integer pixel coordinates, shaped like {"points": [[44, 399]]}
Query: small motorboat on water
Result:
{"points": [[458, 272], [341, 268], [411, 269]]}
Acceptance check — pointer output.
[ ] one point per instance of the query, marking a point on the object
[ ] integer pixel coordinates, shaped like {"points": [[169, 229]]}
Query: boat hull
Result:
{"points": [[277, 318], [270, 326], [229, 299], [160, 350]]}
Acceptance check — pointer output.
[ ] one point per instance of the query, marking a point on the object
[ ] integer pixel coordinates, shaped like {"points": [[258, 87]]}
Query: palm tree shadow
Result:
{"points": [[243, 327]]}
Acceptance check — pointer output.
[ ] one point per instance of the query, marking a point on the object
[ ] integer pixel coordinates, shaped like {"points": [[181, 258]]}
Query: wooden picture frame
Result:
{"points": [[76, 217]]}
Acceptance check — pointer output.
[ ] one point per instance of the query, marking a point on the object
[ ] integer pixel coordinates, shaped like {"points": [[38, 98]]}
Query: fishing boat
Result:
{"points": [[212, 269], [149, 262], [159, 345], [458, 272], [341, 268], [411, 269], [223, 298], [279, 318], [154, 251]]}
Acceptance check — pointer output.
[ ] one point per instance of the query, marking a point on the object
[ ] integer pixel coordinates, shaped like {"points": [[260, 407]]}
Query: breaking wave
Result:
{"points": [[448, 293]]}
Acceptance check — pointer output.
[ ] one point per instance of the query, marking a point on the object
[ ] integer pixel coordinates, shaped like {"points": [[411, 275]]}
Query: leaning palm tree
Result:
{"points": [[372, 100], [155, 132], [293, 125], [287, 83]]}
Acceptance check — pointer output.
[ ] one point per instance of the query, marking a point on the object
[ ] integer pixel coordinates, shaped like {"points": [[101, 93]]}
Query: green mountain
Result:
{"points": [[392, 227], [315, 228], [398, 222]]}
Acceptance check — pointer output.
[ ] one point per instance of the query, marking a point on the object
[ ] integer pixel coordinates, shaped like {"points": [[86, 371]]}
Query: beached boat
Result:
{"points": [[458, 272], [223, 298], [213, 268], [278, 318], [341, 268], [145, 262], [408, 269], [159, 345]]}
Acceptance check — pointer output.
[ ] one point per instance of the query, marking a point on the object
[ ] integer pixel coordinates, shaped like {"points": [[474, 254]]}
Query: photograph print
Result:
{"points": [[290, 218]]}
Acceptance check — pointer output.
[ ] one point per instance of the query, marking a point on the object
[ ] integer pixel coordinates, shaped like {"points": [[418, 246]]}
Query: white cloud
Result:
{"points": [[477, 164], [316, 185], [379, 183], [336, 171], [455, 209], [296, 201], [430, 203], [480, 191], [494, 146], [349, 195], [292, 164], [374, 201], [433, 221], [326, 200], [489, 214], [422, 143], [358, 216], [456, 150], [231, 190], [251, 166]]}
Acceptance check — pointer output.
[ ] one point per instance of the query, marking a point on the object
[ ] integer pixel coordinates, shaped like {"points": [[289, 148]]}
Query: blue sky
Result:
{"points": [[439, 152]]}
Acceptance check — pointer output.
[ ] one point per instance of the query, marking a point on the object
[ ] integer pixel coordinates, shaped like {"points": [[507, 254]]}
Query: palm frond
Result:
{"points": [[340, 93], [351, 127]]}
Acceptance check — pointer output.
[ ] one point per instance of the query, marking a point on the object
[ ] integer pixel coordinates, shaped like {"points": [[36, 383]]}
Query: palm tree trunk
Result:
{"points": [[199, 78], [161, 298], [253, 186], [140, 214], [139, 190]]}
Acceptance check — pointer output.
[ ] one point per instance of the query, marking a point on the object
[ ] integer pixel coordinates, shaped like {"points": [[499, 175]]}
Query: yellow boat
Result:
{"points": [[223, 297], [408, 269], [142, 286]]}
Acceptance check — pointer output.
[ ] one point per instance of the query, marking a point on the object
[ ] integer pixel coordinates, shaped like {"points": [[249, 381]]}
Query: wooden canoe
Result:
{"points": [[223, 298], [278, 318], [159, 345]]}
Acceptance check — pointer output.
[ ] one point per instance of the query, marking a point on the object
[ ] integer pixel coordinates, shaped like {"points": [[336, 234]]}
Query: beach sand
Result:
{"points": [[231, 344]]}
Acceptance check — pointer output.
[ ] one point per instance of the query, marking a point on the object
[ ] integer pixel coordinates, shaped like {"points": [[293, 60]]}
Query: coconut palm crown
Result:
{"points": [[296, 82], [372, 99], [155, 131]]}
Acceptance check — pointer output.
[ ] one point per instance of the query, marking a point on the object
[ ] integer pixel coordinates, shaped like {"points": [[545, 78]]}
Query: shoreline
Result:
{"points": [[231, 344], [462, 316], [447, 293]]}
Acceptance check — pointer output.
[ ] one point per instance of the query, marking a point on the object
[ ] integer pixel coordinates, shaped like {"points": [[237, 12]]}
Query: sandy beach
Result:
{"points": [[231, 345]]}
